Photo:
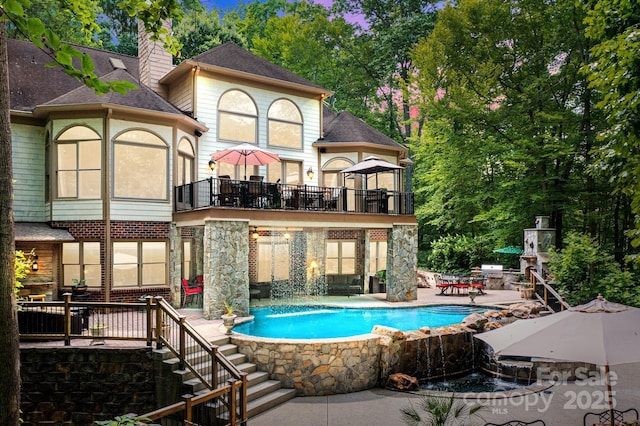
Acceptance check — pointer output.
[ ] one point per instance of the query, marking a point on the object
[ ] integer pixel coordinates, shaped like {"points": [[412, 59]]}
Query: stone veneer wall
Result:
{"points": [[402, 263], [316, 368], [65, 385], [225, 267], [322, 367]]}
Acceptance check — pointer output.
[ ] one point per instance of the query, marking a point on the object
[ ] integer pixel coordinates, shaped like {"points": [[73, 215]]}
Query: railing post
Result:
{"points": [[183, 344], [232, 402], [149, 310], [67, 319], [243, 398], [214, 367], [211, 198], [158, 324], [188, 407], [344, 198]]}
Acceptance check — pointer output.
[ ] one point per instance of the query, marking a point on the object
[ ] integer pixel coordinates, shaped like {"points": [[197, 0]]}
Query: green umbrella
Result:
{"points": [[509, 250]]}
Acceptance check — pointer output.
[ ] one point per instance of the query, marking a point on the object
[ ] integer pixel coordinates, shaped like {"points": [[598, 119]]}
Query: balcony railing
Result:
{"points": [[253, 194]]}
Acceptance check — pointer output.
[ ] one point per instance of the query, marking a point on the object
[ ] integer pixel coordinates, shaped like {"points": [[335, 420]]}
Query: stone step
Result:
{"points": [[269, 401]]}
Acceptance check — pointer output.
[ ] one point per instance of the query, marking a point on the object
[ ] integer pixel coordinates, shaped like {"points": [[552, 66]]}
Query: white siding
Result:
{"points": [[28, 173], [77, 210], [209, 92], [141, 211], [180, 94]]}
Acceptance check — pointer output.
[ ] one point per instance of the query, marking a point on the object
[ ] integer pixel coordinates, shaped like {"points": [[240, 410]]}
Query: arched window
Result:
{"points": [[186, 158], [237, 117], [285, 124], [78, 158], [331, 172], [140, 166]]}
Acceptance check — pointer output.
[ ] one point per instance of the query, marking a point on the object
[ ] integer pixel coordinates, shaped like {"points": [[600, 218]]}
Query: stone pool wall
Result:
{"points": [[317, 367], [325, 367]]}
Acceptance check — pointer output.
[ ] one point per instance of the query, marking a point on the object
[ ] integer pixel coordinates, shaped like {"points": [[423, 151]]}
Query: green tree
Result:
{"points": [[614, 71], [442, 411], [14, 13], [511, 125]]}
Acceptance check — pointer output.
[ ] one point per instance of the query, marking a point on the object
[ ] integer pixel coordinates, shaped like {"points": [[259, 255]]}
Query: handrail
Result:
{"points": [[156, 321], [536, 279]]}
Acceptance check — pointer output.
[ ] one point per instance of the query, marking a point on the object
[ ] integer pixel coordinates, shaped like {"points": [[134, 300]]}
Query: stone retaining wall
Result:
{"points": [[75, 386], [317, 367], [325, 367]]}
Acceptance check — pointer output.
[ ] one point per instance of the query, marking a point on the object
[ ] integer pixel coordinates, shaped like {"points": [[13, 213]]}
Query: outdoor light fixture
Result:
{"points": [[314, 264], [286, 234], [310, 173], [34, 264], [255, 234], [212, 165]]}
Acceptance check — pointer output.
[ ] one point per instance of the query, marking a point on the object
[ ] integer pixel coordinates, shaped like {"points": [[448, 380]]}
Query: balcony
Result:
{"points": [[255, 194]]}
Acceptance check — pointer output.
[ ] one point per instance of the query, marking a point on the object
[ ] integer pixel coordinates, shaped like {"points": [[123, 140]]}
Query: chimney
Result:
{"points": [[154, 61]]}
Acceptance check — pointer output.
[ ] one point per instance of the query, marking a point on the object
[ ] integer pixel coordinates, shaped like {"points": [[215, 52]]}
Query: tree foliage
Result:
{"points": [[511, 124], [583, 270]]}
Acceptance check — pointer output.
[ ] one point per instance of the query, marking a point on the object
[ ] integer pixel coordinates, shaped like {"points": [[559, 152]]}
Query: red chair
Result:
{"points": [[189, 292]]}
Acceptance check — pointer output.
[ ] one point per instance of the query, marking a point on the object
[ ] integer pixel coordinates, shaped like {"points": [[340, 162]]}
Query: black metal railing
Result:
{"points": [[254, 194]]}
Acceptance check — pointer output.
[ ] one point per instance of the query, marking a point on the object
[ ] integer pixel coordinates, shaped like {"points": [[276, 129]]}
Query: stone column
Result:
{"points": [[197, 249], [175, 264], [402, 263], [226, 267]]}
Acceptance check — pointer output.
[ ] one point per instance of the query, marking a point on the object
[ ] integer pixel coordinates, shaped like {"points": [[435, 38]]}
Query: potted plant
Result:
{"points": [[79, 286], [98, 331], [228, 316]]}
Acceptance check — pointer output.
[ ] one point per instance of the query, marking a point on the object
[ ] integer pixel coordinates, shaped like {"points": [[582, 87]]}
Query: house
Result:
{"points": [[121, 192]]}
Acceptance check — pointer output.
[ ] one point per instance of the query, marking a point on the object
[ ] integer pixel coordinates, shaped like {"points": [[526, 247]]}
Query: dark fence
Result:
{"points": [[255, 194]]}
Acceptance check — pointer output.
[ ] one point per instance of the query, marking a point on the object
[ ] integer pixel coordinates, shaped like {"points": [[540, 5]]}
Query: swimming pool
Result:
{"points": [[320, 322]]}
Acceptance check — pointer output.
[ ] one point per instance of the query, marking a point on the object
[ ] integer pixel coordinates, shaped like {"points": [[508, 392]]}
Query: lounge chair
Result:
{"points": [[189, 292], [604, 417]]}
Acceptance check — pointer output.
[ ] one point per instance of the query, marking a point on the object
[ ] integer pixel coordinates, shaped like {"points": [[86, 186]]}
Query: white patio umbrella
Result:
{"points": [[246, 154], [372, 165], [598, 332]]}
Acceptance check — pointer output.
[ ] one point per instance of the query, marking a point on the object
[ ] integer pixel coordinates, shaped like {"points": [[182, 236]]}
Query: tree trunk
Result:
{"points": [[9, 338]]}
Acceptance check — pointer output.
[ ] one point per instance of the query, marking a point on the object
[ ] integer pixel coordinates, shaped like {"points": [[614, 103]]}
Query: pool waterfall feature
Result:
{"points": [[343, 365]]}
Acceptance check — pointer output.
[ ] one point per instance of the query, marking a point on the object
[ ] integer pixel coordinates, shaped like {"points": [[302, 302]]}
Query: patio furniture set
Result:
{"points": [[449, 284]]}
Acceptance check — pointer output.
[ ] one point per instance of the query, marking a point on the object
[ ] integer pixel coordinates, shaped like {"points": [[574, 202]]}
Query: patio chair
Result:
{"points": [[228, 195], [518, 423], [604, 417], [189, 292]]}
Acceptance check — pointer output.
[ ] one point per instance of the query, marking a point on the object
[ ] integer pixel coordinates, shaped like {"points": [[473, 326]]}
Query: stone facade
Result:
{"points": [[316, 368], [225, 267], [76, 386], [402, 263]]}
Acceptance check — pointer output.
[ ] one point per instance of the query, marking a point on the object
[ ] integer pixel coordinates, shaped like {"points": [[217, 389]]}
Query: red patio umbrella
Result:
{"points": [[246, 154]]}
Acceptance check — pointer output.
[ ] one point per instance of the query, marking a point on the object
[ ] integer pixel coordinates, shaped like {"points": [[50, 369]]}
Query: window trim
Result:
{"points": [[55, 195], [81, 263], [114, 142], [256, 117], [341, 257], [280, 120], [140, 263]]}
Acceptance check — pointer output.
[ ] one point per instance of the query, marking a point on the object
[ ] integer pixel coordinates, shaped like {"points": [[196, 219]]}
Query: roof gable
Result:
{"points": [[345, 127], [233, 57]]}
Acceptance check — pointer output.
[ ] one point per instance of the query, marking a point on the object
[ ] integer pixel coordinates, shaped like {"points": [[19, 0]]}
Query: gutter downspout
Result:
{"points": [[106, 209]]}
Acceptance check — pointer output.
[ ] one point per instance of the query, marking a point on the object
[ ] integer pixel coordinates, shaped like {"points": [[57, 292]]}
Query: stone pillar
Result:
{"points": [[197, 249], [226, 267], [402, 263], [175, 264]]}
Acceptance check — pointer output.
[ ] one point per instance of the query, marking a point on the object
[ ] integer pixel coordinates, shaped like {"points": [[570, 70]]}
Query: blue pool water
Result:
{"points": [[320, 322]]}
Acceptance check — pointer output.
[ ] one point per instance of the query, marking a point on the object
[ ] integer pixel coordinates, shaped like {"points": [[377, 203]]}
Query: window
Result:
{"points": [[273, 260], [81, 261], [287, 171], [331, 173], [377, 256], [78, 159], [235, 172], [139, 263], [237, 117], [185, 162], [140, 163], [186, 259], [341, 257], [285, 124]]}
